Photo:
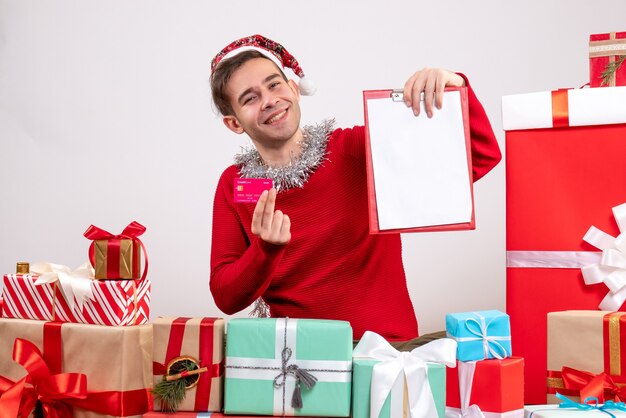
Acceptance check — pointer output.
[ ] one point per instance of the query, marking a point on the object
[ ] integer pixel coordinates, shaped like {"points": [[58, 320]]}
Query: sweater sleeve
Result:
{"points": [[485, 150], [241, 270]]}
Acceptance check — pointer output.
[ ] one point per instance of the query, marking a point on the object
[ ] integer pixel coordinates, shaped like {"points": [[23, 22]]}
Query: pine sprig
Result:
{"points": [[172, 393], [611, 69]]}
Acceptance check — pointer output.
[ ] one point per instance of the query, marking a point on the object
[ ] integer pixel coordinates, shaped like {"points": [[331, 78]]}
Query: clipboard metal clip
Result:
{"points": [[397, 95]]}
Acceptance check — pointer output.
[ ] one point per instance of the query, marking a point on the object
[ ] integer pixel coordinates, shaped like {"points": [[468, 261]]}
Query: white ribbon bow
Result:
{"points": [[466, 379], [611, 270], [75, 285], [412, 365]]}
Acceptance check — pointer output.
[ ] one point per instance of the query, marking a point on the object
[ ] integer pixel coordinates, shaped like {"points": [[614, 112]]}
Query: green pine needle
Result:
{"points": [[171, 394], [610, 70]]}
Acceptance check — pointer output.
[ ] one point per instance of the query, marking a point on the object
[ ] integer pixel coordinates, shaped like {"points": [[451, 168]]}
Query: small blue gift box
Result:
{"points": [[480, 335]]}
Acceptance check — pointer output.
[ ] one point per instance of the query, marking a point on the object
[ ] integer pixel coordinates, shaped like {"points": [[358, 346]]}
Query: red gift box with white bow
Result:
{"points": [[565, 173]]}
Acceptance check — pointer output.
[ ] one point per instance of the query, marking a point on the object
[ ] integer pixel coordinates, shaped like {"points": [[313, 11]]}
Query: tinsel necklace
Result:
{"points": [[297, 172]]}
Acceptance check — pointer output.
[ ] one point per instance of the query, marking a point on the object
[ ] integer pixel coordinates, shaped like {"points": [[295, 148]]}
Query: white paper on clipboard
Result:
{"points": [[420, 164]]}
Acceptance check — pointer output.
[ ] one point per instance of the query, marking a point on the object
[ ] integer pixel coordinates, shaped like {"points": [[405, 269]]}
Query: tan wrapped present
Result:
{"points": [[197, 340], [112, 364], [585, 355]]}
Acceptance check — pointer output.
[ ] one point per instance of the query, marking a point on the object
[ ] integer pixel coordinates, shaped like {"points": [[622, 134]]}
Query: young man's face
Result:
{"points": [[265, 106]]}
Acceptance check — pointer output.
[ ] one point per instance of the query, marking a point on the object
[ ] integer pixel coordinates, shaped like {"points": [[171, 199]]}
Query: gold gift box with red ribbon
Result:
{"points": [[74, 370], [200, 340], [585, 355], [117, 256], [606, 50]]}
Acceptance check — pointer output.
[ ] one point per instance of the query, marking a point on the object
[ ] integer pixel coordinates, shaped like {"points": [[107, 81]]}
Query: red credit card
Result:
{"points": [[249, 190]]}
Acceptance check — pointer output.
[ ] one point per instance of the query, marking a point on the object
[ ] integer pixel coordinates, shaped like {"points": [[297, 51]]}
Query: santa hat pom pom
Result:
{"points": [[306, 87]]}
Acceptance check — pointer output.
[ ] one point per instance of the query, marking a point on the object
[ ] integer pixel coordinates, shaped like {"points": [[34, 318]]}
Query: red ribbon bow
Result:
{"points": [[601, 386], [55, 392], [132, 231]]}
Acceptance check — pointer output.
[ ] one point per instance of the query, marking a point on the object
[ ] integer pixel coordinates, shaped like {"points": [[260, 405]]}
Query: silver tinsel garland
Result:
{"points": [[297, 172], [251, 166]]}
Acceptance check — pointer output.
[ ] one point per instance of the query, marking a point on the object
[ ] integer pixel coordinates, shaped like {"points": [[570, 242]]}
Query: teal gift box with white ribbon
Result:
{"points": [[480, 335], [388, 383], [285, 366]]}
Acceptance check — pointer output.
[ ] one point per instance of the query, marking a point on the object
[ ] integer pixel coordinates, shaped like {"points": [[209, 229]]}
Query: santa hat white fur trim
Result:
{"points": [[305, 86]]}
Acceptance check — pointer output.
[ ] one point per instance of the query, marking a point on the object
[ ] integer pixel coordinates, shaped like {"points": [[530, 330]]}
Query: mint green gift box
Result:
{"points": [[264, 356], [362, 378]]}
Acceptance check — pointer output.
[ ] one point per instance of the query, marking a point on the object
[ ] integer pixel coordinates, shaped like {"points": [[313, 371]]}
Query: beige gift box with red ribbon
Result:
{"points": [[585, 355], [116, 363], [200, 340]]}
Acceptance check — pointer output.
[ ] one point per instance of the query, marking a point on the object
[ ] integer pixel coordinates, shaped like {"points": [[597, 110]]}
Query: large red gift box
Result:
{"points": [[604, 49], [565, 171], [497, 387], [114, 302]]}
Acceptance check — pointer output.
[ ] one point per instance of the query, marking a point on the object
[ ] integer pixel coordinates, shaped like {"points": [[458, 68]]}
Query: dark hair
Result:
{"points": [[222, 73]]}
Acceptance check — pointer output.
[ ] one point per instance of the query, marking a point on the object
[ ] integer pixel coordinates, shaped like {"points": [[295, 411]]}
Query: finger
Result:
{"points": [[439, 91], [416, 91], [408, 87], [277, 222], [268, 210], [257, 215], [429, 92], [285, 229]]}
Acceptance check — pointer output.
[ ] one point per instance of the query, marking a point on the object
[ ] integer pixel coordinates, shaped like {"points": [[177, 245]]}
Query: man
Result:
{"points": [[304, 248]]}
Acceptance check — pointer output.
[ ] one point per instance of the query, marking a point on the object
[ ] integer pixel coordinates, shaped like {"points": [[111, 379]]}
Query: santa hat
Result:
{"points": [[271, 49]]}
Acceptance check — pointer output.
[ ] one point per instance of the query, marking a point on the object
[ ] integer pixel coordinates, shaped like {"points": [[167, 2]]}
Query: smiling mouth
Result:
{"points": [[276, 117]]}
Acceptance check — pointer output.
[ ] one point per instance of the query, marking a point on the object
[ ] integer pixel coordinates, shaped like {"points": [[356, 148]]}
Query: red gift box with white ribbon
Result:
{"points": [[493, 388], [565, 172]]}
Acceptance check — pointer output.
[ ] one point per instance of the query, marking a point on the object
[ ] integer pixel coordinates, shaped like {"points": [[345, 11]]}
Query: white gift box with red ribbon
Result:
{"points": [[562, 108], [60, 294]]}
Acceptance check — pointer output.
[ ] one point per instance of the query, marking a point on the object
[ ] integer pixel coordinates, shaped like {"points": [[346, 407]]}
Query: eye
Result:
{"points": [[274, 84], [248, 99]]}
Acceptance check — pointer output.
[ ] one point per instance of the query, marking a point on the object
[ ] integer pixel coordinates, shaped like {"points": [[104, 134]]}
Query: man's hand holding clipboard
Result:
{"points": [[419, 164]]}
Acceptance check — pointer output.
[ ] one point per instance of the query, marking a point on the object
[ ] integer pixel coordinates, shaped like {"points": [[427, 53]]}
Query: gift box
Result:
{"points": [[584, 355], [553, 411], [199, 342], [388, 383], [193, 415], [284, 366], [480, 335], [564, 173], [78, 300], [606, 54], [568, 408], [494, 386], [117, 256], [87, 371], [396, 401]]}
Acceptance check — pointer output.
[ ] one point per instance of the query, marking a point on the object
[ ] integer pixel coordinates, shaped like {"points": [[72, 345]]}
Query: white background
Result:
{"points": [[105, 118]]}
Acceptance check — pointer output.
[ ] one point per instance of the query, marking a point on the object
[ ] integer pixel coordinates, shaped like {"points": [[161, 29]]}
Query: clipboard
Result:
{"points": [[419, 170]]}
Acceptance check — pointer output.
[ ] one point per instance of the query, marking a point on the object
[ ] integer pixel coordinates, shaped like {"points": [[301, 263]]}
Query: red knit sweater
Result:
{"points": [[332, 268]]}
